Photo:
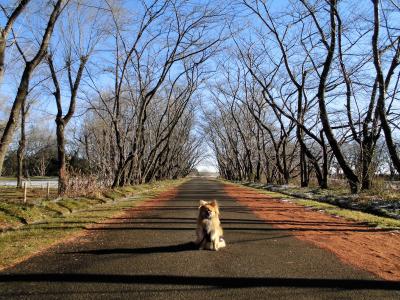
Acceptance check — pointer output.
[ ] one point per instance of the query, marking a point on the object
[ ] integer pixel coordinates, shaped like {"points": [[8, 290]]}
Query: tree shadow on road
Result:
{"points": [[147, 250], [219, 282], [247, 229]]}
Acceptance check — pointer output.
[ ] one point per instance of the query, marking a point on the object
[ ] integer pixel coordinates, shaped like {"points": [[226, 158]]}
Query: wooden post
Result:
{"points": [[48, 190], [25, 187]]}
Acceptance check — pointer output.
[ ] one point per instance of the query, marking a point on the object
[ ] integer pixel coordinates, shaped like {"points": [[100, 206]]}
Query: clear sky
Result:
{"points": [[43, 111]]}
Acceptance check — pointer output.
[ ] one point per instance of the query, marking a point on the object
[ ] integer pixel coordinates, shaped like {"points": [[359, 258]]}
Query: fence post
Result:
{"points": [[48, 190], [25, 188]]}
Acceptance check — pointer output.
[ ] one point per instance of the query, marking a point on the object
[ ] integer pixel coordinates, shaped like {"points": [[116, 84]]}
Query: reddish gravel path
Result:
{"points": [[374, 250]]}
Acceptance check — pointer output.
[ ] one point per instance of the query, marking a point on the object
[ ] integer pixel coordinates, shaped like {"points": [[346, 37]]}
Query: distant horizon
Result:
{"points": [[207, 168]]}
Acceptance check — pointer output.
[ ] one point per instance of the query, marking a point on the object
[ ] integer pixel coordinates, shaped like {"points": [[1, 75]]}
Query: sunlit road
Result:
{"points": [[150, 257]]}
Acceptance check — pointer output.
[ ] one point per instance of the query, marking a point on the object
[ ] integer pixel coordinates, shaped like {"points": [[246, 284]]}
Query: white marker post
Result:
{"points": [[25, 188]]}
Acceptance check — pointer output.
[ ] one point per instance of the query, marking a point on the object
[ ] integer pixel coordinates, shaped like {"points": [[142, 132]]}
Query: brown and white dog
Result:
{"points": [[209, 231]]}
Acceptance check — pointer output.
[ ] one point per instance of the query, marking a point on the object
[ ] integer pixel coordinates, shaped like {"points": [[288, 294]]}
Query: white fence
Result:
{"points": [[38, 183]]}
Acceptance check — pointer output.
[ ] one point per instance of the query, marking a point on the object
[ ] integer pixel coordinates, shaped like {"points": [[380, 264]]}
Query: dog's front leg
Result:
{"points": [[214, 242], [200, 241], [214, 246]]}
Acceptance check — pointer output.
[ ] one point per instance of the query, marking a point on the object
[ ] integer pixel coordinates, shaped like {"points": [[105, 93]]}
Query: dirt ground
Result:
{"points": [[371, 249]]}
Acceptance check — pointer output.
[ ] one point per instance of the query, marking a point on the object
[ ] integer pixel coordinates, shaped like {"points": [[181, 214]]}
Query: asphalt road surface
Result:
{"points": [[150, 257]]}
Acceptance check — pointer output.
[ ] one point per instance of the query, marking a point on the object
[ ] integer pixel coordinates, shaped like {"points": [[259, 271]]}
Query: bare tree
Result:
{"points": [[159, 56], [330, 50], [22, 143], [5, 31], [78, 48], [23, 88], [383, 84]]}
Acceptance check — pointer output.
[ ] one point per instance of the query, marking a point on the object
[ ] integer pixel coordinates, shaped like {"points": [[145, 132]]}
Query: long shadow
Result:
{"points": [[227, 223], [228, 228], [172, 220], [147, 250], [175, 208], [190, 246], [91, 294], [221, 282], [248, 222]]}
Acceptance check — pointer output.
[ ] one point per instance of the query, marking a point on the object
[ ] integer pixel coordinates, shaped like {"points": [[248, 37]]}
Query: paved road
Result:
{"points": [[150, 257]]}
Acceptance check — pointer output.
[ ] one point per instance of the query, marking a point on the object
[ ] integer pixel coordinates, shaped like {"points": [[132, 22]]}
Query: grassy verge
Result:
{"points": [[348, 214], [3, 178], [34, 195], [54, 221]]}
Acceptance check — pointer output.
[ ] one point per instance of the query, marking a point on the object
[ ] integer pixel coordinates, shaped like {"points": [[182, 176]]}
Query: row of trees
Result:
{"points": [[303, 90], [125, 74], [310, 90], [40, 156]]}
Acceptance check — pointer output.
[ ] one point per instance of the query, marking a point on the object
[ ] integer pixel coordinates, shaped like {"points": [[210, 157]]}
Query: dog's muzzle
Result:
{"points": [[207, 214]]}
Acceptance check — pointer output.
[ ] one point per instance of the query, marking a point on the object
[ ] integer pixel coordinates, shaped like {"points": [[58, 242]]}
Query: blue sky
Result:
{"points": [[44, 113]]}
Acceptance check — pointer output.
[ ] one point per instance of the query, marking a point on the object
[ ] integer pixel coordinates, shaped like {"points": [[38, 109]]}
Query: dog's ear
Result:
{"points": [[202, 202], [214, 204]]}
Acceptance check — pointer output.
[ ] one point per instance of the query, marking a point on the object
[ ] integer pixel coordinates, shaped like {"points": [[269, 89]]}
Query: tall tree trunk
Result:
{"points": [[382, 85], [23, 88], [348, 172], [61, 121], [286, 174], [14, 114], [3, 41], [368, 149], [62, 166], [258, 169], [323, 183], [304, 178], [21, 148]]}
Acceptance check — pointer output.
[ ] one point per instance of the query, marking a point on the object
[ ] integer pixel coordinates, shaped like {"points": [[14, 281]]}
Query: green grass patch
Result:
{"points": [[34, 195], [58, 223], [42, 178], [55, 207], [25, 213], [351, 215], [77, 204], [7, 220], [7, 178], [16, 245], [114, 194], [33, 178]]}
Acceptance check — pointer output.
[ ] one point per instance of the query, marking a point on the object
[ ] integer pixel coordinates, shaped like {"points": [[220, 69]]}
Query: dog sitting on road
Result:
{"points": [[209, 231]]}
